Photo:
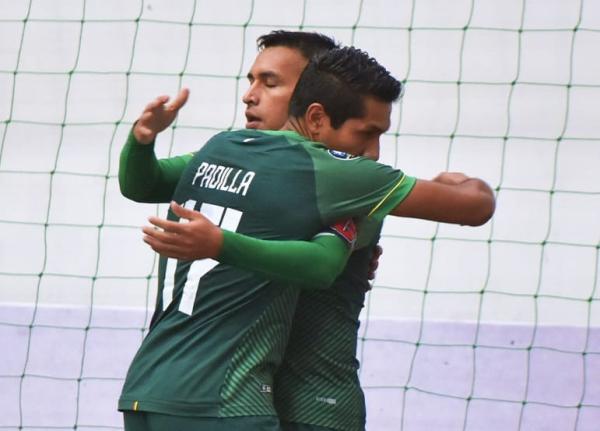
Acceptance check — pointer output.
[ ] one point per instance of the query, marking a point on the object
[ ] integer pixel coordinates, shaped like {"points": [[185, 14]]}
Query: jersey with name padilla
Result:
{"points": [[219, 332]]}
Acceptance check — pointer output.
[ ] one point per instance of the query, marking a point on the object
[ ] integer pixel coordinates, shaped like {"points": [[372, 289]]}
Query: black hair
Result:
{"points": [[340, 79], [308, 44]]}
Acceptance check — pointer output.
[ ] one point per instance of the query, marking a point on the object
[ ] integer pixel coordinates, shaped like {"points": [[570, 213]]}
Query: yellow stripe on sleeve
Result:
{"points": [[387, 195]]}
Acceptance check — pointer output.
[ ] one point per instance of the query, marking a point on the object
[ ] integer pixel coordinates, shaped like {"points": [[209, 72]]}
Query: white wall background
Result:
{"points": [[507, 91]]}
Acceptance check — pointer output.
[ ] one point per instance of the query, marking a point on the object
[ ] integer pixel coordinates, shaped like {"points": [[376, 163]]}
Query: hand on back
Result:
{"points": [[198, 238], [374, 263]]}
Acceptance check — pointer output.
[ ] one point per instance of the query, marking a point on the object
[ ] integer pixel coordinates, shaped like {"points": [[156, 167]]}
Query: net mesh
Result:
{"points": [[493, 327]]}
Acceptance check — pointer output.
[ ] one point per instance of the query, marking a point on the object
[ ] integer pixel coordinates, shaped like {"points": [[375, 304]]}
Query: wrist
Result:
{"points": [[218, 241], [225, 244], [142, 135]]}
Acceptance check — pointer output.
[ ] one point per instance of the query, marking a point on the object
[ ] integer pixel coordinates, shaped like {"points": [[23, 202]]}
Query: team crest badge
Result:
{"points": [[347, 230], [341, 155]]}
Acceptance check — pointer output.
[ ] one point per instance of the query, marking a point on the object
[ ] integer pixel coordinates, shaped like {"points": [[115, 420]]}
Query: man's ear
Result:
{"points": [[316, 118]]}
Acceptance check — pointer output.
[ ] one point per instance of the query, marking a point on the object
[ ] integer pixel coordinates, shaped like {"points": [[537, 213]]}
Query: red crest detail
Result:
{"points": [[346, 229]]}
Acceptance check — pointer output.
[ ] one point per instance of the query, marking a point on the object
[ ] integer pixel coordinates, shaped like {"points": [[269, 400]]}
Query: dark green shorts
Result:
{"points": [[294, 426], [146, 421]]}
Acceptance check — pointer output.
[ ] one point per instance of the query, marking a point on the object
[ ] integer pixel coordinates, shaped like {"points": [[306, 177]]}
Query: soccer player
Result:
{"points": [[282, 57], [268, 83], [341, 122]]}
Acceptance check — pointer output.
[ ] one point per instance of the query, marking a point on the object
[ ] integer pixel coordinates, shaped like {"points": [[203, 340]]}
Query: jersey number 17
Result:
{"points": [[226, 218]]}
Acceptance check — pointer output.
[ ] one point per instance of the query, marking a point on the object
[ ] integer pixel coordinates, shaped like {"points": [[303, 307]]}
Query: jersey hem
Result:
{"points": [[208, 410], [358, 425]]}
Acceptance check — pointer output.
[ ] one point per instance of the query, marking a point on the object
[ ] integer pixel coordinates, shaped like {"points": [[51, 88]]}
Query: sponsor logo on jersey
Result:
{"points": [[266, 389], [341, 155], [327, 400], [347, 230]]}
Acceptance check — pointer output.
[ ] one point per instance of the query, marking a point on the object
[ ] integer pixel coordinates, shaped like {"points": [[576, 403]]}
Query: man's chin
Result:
{"points": [[254, 124]]}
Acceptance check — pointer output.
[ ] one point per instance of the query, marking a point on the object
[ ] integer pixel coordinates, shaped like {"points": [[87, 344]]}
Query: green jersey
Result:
{"points": [[317, 382], [219, 332]]}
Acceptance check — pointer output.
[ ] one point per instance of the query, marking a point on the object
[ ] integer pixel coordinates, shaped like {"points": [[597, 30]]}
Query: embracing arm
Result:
{"points": [[451, 197], [307, 264]]}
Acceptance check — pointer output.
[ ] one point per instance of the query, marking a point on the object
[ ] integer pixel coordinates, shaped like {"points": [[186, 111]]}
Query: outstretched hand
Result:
{"points": [[197, 239], [158, 115]]}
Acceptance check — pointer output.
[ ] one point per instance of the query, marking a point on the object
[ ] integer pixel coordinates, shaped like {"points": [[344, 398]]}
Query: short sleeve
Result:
{"points": [[356, 186]]}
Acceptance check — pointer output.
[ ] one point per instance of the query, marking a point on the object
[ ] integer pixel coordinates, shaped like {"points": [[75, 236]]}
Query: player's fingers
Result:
{"points": [[180, 100], [374, 263], [185, 213], [378, 251], [166, 225], [167, 239], [163, 249], [146, 119], [162, 236], [373, 268], [159, 101], [181, 212]]}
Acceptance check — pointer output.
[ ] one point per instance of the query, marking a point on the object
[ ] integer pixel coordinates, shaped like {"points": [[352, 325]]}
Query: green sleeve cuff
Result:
{"points": [[144, 178], [306, 264]]}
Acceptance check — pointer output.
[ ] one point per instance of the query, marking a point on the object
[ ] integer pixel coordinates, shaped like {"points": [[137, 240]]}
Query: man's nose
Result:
{"points": [[250, 96]]}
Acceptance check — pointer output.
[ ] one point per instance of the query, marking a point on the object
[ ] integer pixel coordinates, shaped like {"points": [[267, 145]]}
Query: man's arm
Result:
{"points": [[142, 177], [308, 264], [451, 197], [311, 264]]}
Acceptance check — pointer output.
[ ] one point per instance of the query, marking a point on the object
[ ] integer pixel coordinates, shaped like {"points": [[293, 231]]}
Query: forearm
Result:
{"points": [[486, 201], [449, 198], [306, 264], [143, 178]]}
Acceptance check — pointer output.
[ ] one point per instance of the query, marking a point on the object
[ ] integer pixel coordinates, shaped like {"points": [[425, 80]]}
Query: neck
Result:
{"points": [[297, 125]]}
